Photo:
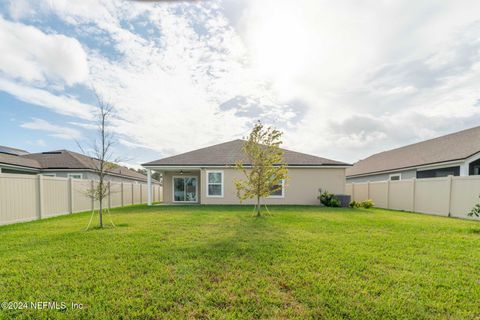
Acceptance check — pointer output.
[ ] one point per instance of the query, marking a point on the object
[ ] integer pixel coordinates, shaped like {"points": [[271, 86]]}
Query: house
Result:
{"points": [[456, 154], [206, 176], [61, 163]]}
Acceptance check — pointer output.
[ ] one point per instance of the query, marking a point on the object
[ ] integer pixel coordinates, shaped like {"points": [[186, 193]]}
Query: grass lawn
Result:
{"points": [[220, 262]]}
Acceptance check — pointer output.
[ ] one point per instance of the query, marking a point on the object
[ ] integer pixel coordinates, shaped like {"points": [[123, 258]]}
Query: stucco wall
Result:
{"points": [[301, 188], [406, 174]]}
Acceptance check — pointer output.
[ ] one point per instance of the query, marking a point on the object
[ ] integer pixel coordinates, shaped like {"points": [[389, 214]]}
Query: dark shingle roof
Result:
{"points": [[455, 146], [14, 151], [65, 159], [19, 161], [229, 153]]}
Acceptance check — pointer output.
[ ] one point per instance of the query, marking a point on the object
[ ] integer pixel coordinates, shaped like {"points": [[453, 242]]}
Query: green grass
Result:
{"points": [[220, 262]]}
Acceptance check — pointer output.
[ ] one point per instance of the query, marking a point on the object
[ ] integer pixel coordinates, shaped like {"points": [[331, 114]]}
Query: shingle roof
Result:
{"points": [[455, 146], [19, 161], [65, 159], [228, 153], [10, 150]]}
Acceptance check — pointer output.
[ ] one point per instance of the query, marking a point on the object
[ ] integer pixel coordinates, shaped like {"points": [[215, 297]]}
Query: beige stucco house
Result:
{"points": [[206, 176]]}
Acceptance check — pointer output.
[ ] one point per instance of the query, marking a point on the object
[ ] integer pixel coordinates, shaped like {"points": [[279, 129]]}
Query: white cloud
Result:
{"points": [[344, 78], [32, 55], [58, 103], [54, 130]]}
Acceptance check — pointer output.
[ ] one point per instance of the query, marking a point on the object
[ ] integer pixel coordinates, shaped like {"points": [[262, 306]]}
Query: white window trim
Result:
{"points": [[207, 183], [71, 175], [173, 189], [49, 174], [283, 192], [399, 175]]}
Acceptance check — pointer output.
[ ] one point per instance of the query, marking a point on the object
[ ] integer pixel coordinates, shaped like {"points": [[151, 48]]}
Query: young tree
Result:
{"points": [[101, 154], [266, 169]]}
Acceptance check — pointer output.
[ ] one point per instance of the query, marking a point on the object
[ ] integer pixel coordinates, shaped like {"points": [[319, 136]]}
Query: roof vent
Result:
{"points": [[52, 152]]}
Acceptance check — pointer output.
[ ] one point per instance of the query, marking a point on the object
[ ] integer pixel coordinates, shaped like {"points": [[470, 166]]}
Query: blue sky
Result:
{"points": [[343, 79]]}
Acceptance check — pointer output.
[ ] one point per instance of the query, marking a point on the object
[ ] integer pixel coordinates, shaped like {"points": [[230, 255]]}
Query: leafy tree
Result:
{"points": [[265, 168]]}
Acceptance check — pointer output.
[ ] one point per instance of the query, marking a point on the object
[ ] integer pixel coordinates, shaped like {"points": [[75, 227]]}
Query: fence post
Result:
{"points": [[133, 193], [70, 195], [368, 189], [121, 188], [40, 196], [141, 193], [353, 191], [388, 194], [450, 182], [414, 184]]}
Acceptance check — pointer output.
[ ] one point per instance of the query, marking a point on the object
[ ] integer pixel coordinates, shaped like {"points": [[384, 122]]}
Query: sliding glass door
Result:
{"points": [[185, 189]]}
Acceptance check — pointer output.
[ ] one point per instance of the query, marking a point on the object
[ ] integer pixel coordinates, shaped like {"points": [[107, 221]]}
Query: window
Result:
{"points": [[437, 173], [279, 192], [474, 168], [215, 184], [75, 175], [395, 177]]}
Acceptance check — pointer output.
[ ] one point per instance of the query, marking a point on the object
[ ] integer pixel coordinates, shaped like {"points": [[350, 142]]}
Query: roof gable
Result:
{"points": [[228, 153], [456, 146]]}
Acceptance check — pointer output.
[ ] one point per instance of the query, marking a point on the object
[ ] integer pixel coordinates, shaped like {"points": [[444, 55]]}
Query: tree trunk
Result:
{"points": [[258, 206], [100, 210]]}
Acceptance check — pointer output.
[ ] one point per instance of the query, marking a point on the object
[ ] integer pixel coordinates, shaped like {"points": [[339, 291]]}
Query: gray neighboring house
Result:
{"points": [[207, 175], [61, 163], [456, 154]]}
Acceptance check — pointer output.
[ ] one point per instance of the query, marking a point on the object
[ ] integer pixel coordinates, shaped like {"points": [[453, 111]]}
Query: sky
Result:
{"points": [[341, 79]]}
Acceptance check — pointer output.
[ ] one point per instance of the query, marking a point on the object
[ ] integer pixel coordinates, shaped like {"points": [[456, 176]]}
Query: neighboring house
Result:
{"points": [[456, 154], [61, 163], [206, 176]]}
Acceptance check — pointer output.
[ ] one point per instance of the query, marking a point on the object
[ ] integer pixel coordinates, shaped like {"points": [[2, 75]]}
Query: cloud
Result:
{"points": [[58, 103], [32, 55], [343, 79], [54, 130]]}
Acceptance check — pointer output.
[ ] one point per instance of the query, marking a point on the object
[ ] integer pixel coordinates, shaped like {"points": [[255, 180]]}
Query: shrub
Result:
{"points": [[328, 199], [475, 211], [367, 204]]}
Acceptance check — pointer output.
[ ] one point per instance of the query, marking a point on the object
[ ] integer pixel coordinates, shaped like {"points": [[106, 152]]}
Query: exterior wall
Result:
{"points": [[16, 171], [88, 175], [406, 174], [168, 184], [301, 188]]}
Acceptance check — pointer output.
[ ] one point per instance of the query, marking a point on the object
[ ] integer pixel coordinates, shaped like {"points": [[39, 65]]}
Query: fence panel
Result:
{"points": [[379, 192], [115, 194], [55, 196], [18, 198], [81, 200], [360, 192], [401, 195], [450, 196], [432, 196], [465, 192], [127, 194], [136, 193], [32, 197]]}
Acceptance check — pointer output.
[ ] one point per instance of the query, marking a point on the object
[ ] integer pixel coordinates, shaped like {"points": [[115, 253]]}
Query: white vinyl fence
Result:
{"points": [[450, 196], [33, 197]]}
